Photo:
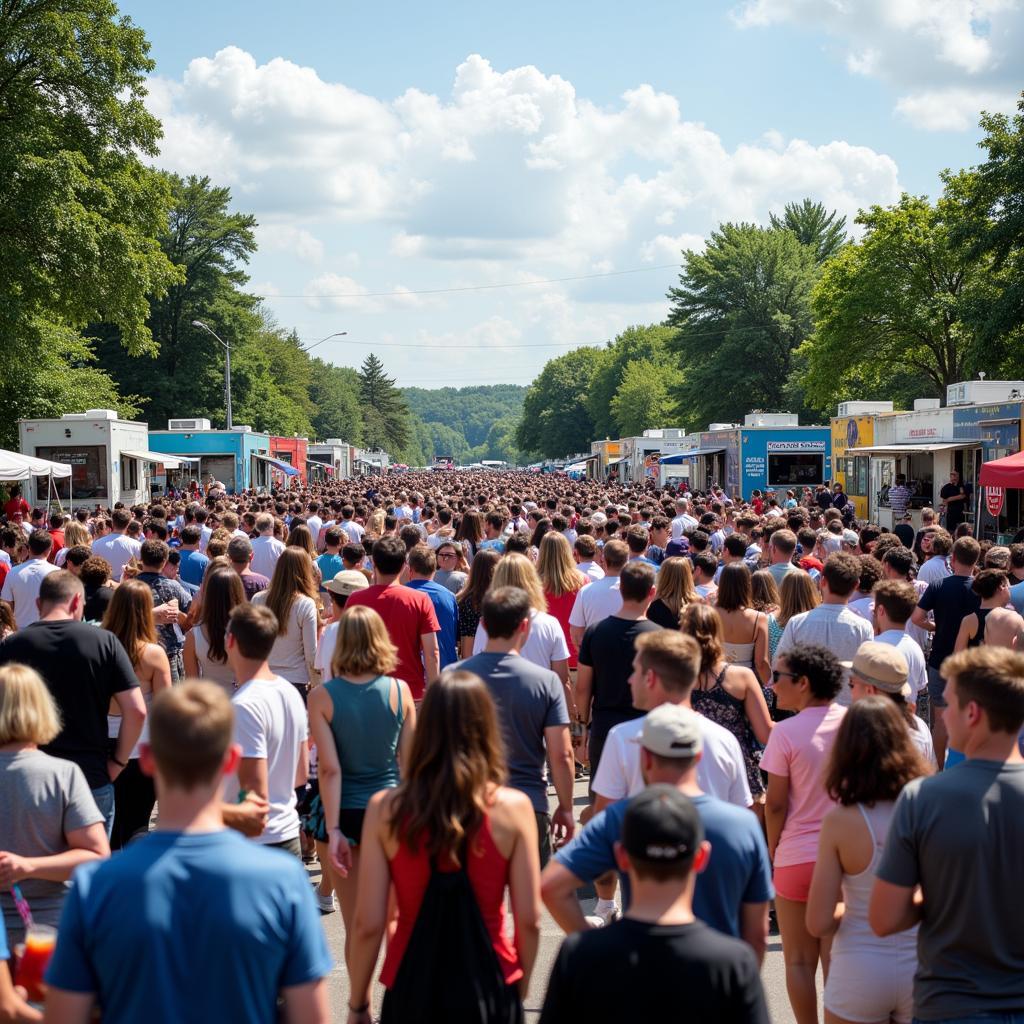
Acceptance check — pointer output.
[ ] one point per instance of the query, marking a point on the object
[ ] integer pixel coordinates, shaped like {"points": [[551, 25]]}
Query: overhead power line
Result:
{"points": [[469, 287]]}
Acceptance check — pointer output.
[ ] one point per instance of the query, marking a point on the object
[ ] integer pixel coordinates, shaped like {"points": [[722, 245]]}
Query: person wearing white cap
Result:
{"points": [[731, 895], [879, 668]]}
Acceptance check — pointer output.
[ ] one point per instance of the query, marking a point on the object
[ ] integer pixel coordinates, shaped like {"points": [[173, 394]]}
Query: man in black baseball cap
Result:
{"points": [[658, 950]]}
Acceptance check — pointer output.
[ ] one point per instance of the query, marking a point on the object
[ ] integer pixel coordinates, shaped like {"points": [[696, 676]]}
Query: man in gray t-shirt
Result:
{"points": [[531, 710], [960, 837], [46, 807]]}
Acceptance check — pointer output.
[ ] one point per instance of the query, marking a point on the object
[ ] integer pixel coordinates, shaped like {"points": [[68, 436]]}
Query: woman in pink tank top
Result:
{"points": [[451, 809]]}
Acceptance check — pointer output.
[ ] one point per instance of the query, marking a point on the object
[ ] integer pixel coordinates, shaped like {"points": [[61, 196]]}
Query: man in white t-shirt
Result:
{"points": [[683, 520], [266, 548], [601, 598], [350, 526], [665, 669], [21, 586], [894, 603], [270, 727], [117, 547], [314, 522], [585, 551]]}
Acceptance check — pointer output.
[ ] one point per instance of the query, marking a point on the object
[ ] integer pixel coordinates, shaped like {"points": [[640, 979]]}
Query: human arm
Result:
{"points": [[306, 1004], [133, 715], [920, 618], [252, 776], [302, 764], [824, 902], [558, 887], [524, 885], [308, 627], [775, 807], [968, 627], [84, 844], [189, 654], [465, 647], [762, 661], [371, 913], [754, 927], [561, 669], [329, 773], [155, 659], [405, 737], [756, 708], [896, 902], [431, 656], [584, 691], [249, 816], [559, 747], [13, 1008], [67, 1007], [576, 635]]}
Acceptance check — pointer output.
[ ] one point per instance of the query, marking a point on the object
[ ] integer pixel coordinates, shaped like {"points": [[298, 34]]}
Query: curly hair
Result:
{"points": [[820, 666]]}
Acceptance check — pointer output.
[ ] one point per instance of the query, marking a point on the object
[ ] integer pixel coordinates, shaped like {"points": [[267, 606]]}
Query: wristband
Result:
{"points": [[120, 764], [359, 1009]]}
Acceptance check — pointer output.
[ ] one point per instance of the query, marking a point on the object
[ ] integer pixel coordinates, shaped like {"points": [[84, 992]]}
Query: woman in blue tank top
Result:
{"points": [[362, 721]]}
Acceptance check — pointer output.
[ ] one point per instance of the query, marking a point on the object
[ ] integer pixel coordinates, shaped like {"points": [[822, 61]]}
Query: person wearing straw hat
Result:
{"points": [[340, 587]]}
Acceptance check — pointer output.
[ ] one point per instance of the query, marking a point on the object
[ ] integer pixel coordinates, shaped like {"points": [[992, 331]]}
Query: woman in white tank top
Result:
{"points": [[870, 979], [204, 654]]}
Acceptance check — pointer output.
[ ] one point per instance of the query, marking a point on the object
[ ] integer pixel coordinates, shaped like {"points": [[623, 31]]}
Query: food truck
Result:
{"points": [[854, 426]]}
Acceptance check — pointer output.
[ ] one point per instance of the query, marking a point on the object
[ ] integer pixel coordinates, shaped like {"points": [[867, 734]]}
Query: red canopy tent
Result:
{"points": [[1005, 472]]}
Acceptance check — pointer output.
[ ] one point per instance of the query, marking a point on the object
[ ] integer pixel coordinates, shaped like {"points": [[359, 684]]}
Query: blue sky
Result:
{"points": [[390, 150]]}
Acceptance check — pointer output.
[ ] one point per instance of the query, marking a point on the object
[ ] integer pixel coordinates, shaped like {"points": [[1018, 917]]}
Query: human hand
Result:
{"points": [[12, 869], [339, 852], [113, 769], [563, 825], [251, 815]]}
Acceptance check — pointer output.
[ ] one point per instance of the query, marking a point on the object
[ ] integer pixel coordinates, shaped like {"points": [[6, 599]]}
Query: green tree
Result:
{"points": [[555, 420], [386, 416], [741, 310], [994, 196], [334, 392], [638, 342], [79, 212], [644, 399], [814, 226], [184, 372], [897, 301]]}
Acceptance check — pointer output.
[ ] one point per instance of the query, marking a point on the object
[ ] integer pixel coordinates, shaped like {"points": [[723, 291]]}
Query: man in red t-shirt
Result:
{"points": [[57, 534], [407, 613], [17, 508]]}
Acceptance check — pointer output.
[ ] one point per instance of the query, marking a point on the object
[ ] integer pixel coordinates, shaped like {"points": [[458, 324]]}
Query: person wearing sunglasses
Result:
{"points": [[806, 680]]}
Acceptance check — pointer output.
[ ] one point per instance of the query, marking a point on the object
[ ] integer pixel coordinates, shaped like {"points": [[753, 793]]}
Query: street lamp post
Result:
{"points": [[227, 367], [337, 334]]}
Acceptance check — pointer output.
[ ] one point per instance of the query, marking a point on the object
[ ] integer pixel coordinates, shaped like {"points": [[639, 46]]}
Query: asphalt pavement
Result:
{"points": [[772, 974]]}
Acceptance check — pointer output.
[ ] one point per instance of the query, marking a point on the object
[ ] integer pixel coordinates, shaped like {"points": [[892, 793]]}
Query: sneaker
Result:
{"points": [[327, 903], [600, 920]]}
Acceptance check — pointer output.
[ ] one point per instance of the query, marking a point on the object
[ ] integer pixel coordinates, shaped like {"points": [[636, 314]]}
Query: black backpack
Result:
{"points": [[449, 971]]}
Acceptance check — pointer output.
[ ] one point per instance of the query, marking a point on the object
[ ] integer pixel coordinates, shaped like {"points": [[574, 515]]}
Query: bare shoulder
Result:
{"points": [[511, 805]]}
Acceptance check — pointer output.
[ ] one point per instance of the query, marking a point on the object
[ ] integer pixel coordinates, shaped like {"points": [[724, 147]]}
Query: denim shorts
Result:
{"points": [[936, 686]]}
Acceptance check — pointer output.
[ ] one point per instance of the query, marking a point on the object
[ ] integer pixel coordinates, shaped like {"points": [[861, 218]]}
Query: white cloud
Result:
{"points": [[948, 59], [290, 239]]}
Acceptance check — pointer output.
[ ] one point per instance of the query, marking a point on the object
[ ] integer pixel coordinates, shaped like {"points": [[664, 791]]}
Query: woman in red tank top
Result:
{"points": [[451, 798]]}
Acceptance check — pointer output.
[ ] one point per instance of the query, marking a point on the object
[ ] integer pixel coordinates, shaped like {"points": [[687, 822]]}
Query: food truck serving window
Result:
{"points": [[789, 468], [88, 464]]}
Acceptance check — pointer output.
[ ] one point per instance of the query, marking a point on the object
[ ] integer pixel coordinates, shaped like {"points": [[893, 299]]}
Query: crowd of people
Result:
{"points": [[788, 721]]}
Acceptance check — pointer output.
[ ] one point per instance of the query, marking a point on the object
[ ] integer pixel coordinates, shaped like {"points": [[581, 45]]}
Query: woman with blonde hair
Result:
{"points": [[375, 524], [561, 581], [294, 598], [729, 694], [51, 822], [75, 535], [205, 654], [798, 593], [545, 644], [129, 616], [362, 721], [674, 590], [451, 813]]}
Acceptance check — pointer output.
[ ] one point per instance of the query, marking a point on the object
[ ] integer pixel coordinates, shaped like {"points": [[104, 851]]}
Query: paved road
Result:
{"points": [[773, 972]]}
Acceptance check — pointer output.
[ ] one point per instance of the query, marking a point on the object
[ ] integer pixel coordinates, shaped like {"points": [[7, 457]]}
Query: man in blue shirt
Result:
{"points": [[422, 565], [193, 562], [191, 922], [732, 893]]}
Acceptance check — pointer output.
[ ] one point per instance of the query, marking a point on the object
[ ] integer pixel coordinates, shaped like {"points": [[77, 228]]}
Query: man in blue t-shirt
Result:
{"points": [[422, 563], [732, 893], [192, 922]]}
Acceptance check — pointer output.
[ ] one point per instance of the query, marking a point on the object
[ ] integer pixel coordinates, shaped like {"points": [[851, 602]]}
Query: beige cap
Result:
{"points": [[672, 731], [348, 581], [881, 666]]}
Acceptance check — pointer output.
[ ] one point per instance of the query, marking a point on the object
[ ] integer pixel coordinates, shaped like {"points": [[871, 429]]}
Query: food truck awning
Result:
{"points": [[613, 462], [1005, 472], [286, 467], [913, 448], [693, 453], [169, 461]]}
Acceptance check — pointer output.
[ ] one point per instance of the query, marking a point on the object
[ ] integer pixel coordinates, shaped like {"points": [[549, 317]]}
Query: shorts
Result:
{"points": [[936, 686], [793, 882], [350, 821], [871, 986]]}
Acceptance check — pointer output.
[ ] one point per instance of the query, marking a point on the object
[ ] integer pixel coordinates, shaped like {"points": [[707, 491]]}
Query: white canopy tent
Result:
{"points": [[15, 466]]}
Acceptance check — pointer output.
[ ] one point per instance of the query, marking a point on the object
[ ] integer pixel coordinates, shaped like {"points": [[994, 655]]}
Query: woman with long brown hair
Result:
{"points": [[470, 599], [451, 813], [470, 533], [301, 536], [293, 597], [129, 617], [744, 628], [673, 591], [872, 759], [561, 581], [362, 720], [204, 654], [729, 694]]}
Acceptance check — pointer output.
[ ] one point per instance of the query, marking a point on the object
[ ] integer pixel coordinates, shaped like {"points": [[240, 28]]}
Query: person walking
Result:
{"points": [[872, 759], [233, 934], [952, 855], [422, 564], [205, 655], [470, 598], [561, 581], [807, 679], [21, 585], [445, 845], [362, 721], [129, 617], [744, 628], [673, 591]]}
